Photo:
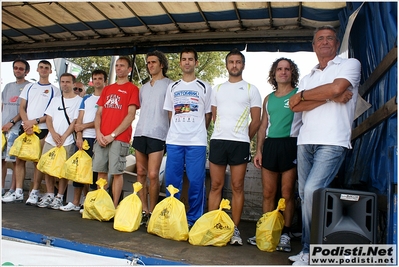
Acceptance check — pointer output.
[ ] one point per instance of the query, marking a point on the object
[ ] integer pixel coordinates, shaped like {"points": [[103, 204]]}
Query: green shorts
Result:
{"points": [[110, 159]]}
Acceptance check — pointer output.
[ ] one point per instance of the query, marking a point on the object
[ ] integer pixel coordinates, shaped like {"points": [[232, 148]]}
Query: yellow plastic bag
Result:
{"points": [[78, 167], [129, 212], [3, 141], [98, 204], [27, 146], [214, 228], [168, 219], [269, 227], [52, 161]]}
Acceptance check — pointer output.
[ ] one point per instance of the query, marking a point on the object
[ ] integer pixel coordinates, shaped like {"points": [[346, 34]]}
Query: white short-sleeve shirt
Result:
{"points": [[234, 102], [188, 102], [330, 123]]}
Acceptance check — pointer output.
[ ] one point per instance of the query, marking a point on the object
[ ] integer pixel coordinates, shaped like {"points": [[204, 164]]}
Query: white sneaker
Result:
{"points": [[7, 194], [56, 204], [12, 197], [304, 260], [252, 240], [298, 256], [70, 207], [32, 200], [236, 238], [284, 244], [45, 201]]}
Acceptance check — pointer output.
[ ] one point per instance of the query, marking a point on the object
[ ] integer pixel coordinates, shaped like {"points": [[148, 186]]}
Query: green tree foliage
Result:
{"points": [[88, 65], [211, 65]]}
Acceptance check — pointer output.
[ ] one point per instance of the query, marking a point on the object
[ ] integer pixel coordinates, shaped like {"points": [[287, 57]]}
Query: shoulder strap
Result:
{"points": [[66, 116], [63, 106]]}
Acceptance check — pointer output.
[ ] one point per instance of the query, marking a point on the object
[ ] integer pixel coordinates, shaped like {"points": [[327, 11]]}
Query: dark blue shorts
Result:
{"points": [[279, 154]]}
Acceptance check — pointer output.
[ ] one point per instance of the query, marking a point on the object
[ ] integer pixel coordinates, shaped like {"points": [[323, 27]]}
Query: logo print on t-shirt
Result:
{"points": [[113, 102], [286, 103], [14, 99]]}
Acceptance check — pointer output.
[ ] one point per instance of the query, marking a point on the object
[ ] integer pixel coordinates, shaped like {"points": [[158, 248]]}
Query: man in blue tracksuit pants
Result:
{"points": [[188, 102]]}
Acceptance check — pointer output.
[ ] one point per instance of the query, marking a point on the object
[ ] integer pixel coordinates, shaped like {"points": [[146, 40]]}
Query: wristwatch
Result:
{"points": [[302, 98], [12, 121], [113, 135], [38, 120]]}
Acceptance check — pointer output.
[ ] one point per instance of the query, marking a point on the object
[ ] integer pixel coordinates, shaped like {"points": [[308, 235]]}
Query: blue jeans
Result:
{"points": [[317, 167], [193, 158], [10, 136]]}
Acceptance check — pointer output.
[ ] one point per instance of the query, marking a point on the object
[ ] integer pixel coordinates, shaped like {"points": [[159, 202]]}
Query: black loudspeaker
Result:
{"points": [[343, 217]]}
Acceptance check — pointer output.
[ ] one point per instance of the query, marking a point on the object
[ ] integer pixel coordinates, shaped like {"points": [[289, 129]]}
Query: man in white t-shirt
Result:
{"points": [[327, 98], [236, 108], [188, 102], [84, 128], [61, 117], [35, 98]]}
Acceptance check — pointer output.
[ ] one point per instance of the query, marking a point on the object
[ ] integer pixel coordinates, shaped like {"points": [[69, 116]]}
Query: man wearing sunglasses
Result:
{"points": [[35, 98], [79, 89], [11, 120]]}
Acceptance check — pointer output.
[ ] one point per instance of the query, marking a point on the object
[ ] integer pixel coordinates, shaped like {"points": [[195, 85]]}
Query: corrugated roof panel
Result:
{"points": [[325, 5], [181, 7], [314, 23], [221, 16], [156, 20], [188, 18], [82, 10], [251, 5], [322, 15], [13, 21], [114, 10], [287, 12], [249, 23], [285, 23], [128, 22], [146, 8], [31, 16], [284, 4], [254, 14], [194, 27], [53, 26], [135, 30], [56, 13], [216, 6]]}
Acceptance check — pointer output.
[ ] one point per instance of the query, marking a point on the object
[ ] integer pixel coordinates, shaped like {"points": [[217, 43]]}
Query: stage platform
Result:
{"points": [[70, 228]]}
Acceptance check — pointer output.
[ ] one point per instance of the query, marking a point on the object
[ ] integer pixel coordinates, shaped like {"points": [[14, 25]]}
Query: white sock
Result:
{"points": [[19, 191], [60, 196]]}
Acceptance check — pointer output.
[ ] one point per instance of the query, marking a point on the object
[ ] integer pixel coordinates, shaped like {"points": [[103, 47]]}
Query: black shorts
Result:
{"points": [[223, 152], [279, 154], [43, 132], [147, 145]]}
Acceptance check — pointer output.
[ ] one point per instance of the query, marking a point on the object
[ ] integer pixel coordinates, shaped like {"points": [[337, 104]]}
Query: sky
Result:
{"points": [[257, 66]]}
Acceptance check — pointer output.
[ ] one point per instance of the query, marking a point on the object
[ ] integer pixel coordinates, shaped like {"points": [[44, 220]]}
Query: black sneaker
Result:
{"points": [[145, 217]]}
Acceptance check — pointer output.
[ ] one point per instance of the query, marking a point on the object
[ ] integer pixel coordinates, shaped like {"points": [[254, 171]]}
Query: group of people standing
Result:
{"points": [[303, 127]]}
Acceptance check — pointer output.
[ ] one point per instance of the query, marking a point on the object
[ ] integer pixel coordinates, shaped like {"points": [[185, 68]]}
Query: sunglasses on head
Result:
{"points": [[76, 88], [19, 68]]}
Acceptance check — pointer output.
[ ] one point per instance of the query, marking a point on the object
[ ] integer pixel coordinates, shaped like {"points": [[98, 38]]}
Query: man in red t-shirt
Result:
{"points": [[113, 123]]}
